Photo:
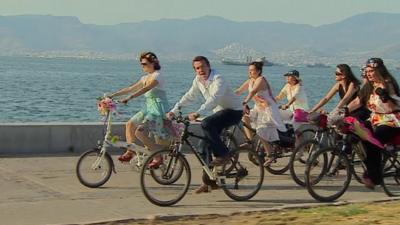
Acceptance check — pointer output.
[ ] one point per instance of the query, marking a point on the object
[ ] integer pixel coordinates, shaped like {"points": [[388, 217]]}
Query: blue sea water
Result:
{"points": [[65, 89]]}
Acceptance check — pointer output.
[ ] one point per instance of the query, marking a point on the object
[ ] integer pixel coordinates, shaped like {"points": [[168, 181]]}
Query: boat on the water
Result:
{"points": [[317, 65], [247, 61]]}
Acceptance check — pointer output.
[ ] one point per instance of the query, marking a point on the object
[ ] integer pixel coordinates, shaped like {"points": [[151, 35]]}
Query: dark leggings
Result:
{"points": [[373, 161]]}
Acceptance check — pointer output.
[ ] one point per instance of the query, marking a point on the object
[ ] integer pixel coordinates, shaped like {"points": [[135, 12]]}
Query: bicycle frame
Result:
{"points": [[107, 143], [184, 139]]}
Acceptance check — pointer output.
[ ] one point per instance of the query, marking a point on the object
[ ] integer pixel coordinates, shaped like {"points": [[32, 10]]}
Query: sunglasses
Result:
{"points": [[338, 74], [144, 64]]}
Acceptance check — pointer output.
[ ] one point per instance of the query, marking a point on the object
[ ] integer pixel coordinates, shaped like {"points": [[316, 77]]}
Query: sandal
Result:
{"points": [[247, 144], [156, 163], [127, 156], [368, 183], [268, 161]]}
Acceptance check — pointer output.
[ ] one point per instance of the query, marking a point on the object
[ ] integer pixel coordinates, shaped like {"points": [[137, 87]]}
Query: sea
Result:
{"points": [[66, 89]]}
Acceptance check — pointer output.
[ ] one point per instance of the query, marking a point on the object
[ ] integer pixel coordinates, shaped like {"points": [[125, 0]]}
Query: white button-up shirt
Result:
{"points": [[216, 92]]}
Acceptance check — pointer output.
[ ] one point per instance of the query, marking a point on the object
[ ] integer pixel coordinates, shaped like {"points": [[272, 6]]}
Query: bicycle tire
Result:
{"points": [[358, 167], [311, 183], [281, 166], [166, 188], [105, 176], [298, 163], [391, 175], [242, 173]]}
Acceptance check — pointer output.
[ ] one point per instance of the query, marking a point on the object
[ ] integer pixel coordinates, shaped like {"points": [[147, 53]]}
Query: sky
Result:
{"points": [[109, 12]]}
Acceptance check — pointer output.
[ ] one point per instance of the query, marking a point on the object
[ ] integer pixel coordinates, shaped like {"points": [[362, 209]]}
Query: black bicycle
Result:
{"points": [[239, 178], [330, 181], [282, 149]]}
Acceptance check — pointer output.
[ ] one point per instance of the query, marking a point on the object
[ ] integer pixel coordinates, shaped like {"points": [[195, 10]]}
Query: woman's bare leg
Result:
{"points": [[267, 146], [130, 128], [249, 134], [142, 134]]}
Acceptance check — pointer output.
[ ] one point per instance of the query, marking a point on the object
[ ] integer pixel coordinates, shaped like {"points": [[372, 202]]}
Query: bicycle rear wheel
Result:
{"points": [[299, 159], [244, 178], [391, 175], [328, 182], [92, 169], [168, 183], [282, 156]]}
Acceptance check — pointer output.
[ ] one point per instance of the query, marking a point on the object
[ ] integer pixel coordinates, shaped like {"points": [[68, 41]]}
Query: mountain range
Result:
{"points": [[353, 39]]}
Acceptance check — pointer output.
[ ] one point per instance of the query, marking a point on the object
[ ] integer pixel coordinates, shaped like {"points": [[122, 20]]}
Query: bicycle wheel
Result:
{"points": [[245, 179], [299, 158], [165, 193], [328, 183], [305, 135], [92, 169], [230, 142], [282, 156], [391, 175], [357, 157], [281, 160], [158, 174]]}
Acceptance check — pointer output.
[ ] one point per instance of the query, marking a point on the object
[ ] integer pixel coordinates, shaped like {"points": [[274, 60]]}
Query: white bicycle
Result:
{"points": [[95, 165]]}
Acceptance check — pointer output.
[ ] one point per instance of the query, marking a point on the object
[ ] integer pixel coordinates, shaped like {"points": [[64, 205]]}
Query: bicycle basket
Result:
{"points": [[320, 120]]}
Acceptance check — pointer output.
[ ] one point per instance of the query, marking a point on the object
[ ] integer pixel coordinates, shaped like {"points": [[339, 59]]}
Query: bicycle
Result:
{"points": [[239, 179], [282, 150], [325, 136], [95, 166], [332, 181]]}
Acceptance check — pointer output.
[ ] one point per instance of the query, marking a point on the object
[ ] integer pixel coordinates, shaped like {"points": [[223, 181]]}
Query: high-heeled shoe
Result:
{"points": [[127, 156], [156, 163]]}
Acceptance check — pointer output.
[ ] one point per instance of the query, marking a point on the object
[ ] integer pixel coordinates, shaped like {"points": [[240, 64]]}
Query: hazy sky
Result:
{"points": [[314, 12]]}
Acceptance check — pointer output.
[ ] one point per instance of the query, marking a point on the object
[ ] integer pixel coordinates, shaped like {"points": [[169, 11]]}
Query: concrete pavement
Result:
{"points": [[44, 189]]}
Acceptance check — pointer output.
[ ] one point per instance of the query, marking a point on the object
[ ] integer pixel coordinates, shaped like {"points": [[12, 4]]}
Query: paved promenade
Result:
{"points": [[44, 190]]}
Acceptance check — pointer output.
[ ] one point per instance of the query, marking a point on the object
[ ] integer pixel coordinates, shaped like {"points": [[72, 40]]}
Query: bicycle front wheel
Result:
{"points": [[357, 157], [245, 175], [168, 183], [328, 182], [391, 175], [93, 170], [299, 158]]}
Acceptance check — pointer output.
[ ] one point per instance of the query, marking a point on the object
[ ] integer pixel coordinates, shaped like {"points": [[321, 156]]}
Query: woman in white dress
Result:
{"points": [[264, 117]]}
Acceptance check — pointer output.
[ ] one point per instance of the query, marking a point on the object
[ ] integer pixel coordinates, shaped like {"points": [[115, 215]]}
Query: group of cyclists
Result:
{"points": [[374, 101]]}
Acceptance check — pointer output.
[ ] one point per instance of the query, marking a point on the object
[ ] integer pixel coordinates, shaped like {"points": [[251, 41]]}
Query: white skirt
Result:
{"points": [[267, 123]]}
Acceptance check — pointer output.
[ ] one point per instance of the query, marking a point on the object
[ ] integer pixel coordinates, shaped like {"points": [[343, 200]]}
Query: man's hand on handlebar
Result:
{"points": [[193, 116]]}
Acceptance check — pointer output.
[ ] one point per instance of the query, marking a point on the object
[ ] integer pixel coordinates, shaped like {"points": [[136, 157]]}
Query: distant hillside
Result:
{"points": [[358, 36]]}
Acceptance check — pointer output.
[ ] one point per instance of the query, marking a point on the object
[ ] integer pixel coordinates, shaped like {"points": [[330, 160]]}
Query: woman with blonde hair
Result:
{"points": [[295, 95]]}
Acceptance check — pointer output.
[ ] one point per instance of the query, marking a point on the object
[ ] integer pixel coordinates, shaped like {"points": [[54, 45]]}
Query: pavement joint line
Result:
{"points": [[32, 181], [172, 217]]}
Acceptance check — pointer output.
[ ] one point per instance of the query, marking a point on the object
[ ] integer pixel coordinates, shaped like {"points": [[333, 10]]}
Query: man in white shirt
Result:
{"points": [[219, 98]]}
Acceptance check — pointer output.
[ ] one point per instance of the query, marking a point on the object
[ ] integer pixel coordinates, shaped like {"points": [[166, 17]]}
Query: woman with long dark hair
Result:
{"points": [[381, 96], [347, 85]]}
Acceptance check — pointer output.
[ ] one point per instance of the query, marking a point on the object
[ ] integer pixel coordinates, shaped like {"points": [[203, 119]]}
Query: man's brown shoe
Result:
{"points": [[204, 188], [220, 161]]}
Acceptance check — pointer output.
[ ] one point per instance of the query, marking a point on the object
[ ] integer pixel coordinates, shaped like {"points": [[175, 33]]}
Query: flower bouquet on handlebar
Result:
{"points": [[105, 105]]}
